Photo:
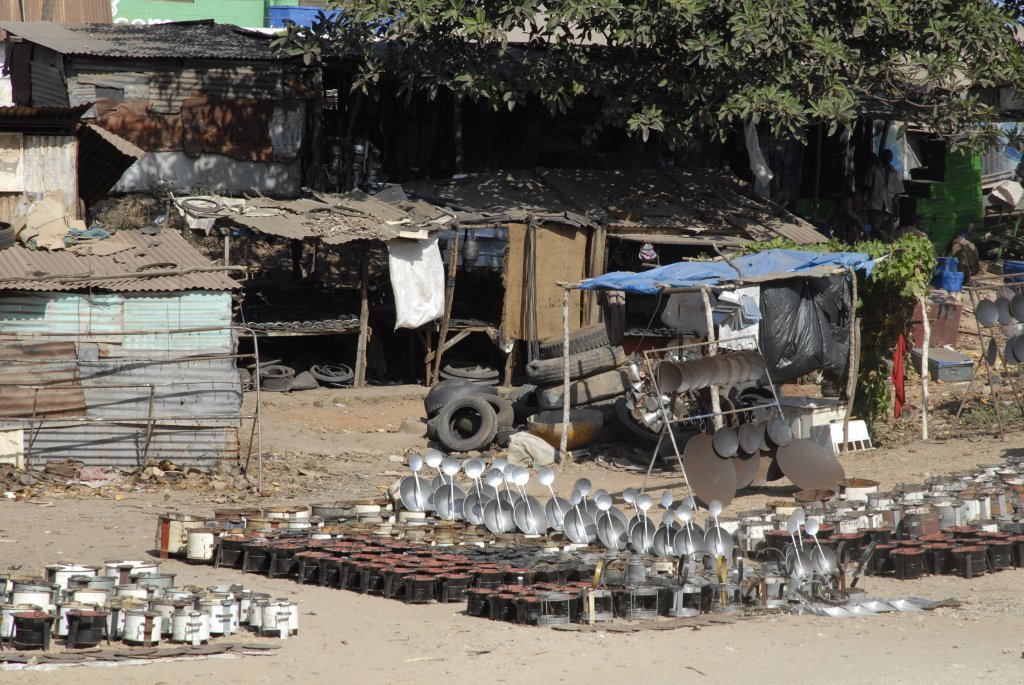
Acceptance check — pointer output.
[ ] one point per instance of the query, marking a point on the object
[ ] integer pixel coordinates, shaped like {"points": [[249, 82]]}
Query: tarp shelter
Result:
{"points": [[556, 225], [760, 266]]}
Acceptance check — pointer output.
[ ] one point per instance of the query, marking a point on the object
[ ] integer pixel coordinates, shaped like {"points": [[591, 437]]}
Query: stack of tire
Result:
{"points": [[595, 370], [464, 416]]}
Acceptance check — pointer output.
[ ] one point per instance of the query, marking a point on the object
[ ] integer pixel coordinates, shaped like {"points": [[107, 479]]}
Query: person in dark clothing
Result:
{"points": [[845, 224]]}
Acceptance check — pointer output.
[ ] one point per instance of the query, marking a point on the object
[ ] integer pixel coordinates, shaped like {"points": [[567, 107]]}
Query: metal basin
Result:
{"points": [[584, 425]]}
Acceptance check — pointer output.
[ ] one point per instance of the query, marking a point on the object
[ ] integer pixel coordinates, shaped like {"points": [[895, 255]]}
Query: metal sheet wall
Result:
{"points": [[151, 319], [50, 165], [147, 395]]}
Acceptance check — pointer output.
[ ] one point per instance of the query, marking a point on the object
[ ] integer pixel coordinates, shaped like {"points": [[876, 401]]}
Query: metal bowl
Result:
{"points": [[1017, 306], [584, 425], [1018, 347]]}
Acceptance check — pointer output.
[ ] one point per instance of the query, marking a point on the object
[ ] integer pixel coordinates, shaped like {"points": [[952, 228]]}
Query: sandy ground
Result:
{"points": [[333, 437]]}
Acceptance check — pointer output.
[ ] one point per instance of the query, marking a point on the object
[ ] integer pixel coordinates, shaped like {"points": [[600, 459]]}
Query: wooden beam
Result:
{"points": [[449, 296], [364, 318]]}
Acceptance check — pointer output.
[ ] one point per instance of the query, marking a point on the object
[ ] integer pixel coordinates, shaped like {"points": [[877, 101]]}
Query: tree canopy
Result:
{"points": [[690, 68]]}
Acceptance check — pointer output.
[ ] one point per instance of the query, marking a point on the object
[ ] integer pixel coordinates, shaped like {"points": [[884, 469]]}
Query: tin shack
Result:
{"points": [[118, 356]]}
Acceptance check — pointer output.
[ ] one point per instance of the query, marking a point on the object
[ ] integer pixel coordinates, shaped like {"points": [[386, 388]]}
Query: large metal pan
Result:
{"points": [[719, 542], [1008, 352], [987, 314], [579, 526], [641, 535], [670, 377], [810, 465], [664, 536], [1018, 348], [449, 501], [1017, 306], [555, 509], [747, 466], [530, 517], [611, 532], [499, 516], [726, 442], [750, 438], [779, 432], [764, 462], [415, 493], [1003, 308], [710, 476], [473, 509]]}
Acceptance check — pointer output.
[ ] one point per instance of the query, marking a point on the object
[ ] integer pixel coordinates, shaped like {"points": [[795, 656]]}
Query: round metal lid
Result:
{"points": [[810, 465], [710, 476]]}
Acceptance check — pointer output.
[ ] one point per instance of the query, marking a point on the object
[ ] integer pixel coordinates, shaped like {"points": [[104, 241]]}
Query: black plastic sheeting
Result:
{"points": [[806, 327]]}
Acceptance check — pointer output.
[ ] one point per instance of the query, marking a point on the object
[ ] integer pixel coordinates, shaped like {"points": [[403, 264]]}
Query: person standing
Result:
{"points": [[884, 186]]}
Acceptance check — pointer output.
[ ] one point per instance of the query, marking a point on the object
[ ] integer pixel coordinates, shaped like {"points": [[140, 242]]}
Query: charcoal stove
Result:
{"points": [[31, 630], [970, 561], [453, 587], [999, 553], [555, 609], [478, 601], [420, 588], [86, 628], [256, 557], [908, 562]]}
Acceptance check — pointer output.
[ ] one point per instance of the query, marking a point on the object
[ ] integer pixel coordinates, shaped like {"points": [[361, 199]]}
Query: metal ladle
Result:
{"points": [[609, 529], [824, 562], [556, 506], [434, 458], [449, 467], [473, 508], [718, 546], [414, 497]]}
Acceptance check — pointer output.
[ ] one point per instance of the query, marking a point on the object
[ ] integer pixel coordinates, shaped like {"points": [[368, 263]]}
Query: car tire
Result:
{"points": [[581, 365], [480, 412], [589, 338]]}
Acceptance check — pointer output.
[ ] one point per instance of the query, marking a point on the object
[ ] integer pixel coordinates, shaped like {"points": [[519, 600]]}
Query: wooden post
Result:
{"points": [[716, 405], [510, 362], [563, 447], [227, 246], [598, 240], [364, 318], [853, 361], [449, 296], [924, 365]]}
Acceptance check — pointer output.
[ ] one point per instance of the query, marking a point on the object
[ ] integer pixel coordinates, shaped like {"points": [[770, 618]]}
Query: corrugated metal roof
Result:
{"points": [[103, 157], [334, 219], [35, 119], [63, 271], [166, 41]]}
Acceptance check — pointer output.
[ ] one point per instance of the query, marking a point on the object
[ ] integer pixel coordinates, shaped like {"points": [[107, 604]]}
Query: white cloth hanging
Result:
{"points": [[417, 279]]}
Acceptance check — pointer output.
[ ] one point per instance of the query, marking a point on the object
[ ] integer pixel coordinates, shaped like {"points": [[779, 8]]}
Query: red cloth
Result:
{"points": [[897, 374]]}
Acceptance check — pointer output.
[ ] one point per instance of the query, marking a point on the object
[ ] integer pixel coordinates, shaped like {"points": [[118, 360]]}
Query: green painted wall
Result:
{"points": [[245, 13]]}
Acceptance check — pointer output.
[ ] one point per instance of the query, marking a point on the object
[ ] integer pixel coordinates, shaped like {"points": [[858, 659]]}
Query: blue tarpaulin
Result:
{"points": [[760, 264]]}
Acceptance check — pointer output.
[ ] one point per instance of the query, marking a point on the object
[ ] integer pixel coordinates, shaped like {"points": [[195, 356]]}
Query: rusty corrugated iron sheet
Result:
{"points": [[164, 41], [103, 157], [39, 380], [34, 119], [64, 11], [62, 271]]}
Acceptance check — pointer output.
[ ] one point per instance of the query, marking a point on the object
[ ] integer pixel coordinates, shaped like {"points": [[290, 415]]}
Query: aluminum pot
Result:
{"points": [[90, 596], [160, 580], [112, 569], [60, 574], [142, 627], [201, 544], [43, 596], [192, 627]]}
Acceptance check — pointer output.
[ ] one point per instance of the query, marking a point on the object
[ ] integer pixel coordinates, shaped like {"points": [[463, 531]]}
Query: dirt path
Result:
{"points": [[368, 639]]}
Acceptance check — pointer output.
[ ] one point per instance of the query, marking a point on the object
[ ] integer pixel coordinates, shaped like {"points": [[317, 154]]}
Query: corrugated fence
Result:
{"points": [[115, 380]]}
